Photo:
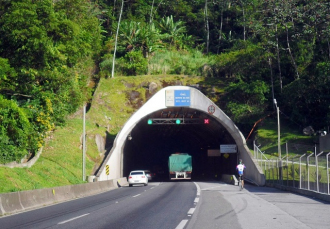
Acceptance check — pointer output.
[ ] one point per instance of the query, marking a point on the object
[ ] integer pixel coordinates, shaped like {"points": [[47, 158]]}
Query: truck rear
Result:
{"points": [[180, 166]]}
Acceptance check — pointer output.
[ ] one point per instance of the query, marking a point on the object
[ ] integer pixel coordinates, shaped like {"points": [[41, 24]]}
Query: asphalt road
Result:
{"points": [[180, 205], [158, 205]]}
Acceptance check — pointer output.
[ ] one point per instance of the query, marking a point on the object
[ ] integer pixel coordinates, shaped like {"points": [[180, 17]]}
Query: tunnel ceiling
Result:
{"points": [[191, 132]]}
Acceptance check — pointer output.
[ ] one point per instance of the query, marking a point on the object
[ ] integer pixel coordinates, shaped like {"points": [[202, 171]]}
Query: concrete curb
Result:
{"points": [[305, 192], [15, 202], [28, 164]]}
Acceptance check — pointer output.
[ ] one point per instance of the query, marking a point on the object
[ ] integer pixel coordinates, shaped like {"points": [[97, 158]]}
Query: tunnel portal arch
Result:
{"points": [[161, 101]]}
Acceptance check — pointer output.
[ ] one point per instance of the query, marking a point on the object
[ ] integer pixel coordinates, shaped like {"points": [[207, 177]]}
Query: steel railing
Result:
{"points": [[308, 171]]}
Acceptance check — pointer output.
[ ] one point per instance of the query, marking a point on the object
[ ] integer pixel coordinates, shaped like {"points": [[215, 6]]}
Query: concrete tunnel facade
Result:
{"points": [[112, 167]]}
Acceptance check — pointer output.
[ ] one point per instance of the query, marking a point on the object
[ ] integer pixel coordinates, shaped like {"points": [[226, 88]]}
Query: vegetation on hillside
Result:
{"points": [[54, 53], [61, 160]]}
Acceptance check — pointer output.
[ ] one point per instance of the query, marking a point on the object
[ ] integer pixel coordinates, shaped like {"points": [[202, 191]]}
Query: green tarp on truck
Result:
{"points": [[180, 163]]}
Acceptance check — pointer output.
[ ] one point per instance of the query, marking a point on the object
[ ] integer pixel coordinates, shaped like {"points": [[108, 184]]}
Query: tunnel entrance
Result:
{"points": [[140, 145], [158, 135]]}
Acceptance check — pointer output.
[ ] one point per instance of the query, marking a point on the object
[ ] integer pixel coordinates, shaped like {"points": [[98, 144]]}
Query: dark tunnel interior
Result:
{"points": [[151, 145]]}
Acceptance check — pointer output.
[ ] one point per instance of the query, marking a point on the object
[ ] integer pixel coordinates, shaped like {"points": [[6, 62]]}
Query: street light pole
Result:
{"points": [[278, 132], [279, 140], [84, 144]]}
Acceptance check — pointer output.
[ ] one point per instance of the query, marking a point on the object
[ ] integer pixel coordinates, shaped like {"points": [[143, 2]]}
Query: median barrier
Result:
{"points": [[121, 182], [10, 202], [15, 202], [35, 198]]}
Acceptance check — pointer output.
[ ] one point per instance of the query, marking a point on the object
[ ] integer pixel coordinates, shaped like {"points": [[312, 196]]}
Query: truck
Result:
{"points": [[180, 166]]}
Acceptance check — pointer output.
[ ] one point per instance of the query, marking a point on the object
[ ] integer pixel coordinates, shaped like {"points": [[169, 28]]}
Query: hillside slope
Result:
{"points": [[114, 101]]}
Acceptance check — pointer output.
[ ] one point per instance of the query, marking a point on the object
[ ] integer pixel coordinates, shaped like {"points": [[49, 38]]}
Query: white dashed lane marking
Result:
{"points": [[191, 211], [182, 224], [63, 222]]}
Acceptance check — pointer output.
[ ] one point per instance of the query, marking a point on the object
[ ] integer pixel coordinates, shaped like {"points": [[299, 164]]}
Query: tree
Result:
{"points": [[172, 31], [246, 100]]}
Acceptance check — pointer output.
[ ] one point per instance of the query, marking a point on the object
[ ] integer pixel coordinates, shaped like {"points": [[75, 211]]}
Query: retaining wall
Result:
{"points": [[15, 202]]}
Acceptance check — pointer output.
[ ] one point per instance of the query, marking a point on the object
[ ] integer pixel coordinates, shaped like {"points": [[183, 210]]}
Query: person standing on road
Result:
{"points": [[240, 168]]}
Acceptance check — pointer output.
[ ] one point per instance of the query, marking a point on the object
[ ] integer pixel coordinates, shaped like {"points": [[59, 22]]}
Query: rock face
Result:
{"points": [[99, 140], [152, 88]]}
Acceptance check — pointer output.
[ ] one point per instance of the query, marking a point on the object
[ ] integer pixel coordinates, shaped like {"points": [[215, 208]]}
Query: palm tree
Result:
{"points": [[135, 35], [172, 31]]}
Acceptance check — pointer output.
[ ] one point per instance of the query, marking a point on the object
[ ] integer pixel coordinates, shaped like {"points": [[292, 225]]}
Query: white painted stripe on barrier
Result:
{"points": [[66, 221], [136, 195], [191, 211], [182, 224], [196, 200]]}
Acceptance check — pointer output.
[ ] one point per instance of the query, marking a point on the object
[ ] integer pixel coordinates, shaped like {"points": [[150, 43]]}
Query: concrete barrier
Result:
{"points": [[310, 193], [229, 179], [15, 202]]}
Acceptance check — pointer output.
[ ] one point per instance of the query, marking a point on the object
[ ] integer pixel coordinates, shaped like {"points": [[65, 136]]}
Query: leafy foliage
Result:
{"points": [[133, 63], [16, 132], [42, 43], [51, 50], [246, 100]]}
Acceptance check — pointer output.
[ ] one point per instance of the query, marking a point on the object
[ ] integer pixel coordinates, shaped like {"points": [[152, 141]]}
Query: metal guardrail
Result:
{"points": [[306, 171]]}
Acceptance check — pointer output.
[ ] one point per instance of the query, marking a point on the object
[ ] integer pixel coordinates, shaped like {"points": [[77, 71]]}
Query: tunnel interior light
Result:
{"points": [[149, 121], [206, 121], [178, 121]]}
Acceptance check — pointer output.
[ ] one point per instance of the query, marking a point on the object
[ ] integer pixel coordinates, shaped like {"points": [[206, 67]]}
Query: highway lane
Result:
{"points": [[181, 205], [225, 206], [158, 205]]}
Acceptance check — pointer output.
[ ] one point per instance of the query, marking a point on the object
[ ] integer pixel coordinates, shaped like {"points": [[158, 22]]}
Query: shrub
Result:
{"points": [[15, 132]]}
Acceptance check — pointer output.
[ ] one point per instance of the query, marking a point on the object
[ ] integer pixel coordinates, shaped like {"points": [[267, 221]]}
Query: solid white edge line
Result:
{"points": [[63, 222], [136, 195], [182, 224], [191, 211], [198, 189]]}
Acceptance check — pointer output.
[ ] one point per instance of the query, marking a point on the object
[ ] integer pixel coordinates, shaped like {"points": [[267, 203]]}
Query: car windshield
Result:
{"points": [[137, 173]]}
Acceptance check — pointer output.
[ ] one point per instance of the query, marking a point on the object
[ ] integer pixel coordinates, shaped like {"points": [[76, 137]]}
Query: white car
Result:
{"points": [[137, 177]]}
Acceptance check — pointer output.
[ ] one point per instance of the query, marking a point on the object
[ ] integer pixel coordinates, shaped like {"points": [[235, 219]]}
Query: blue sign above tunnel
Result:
{"points": [[178, 98]]}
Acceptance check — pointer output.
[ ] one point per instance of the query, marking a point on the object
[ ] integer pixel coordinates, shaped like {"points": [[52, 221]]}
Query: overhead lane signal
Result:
{"points": [[177, 121]]}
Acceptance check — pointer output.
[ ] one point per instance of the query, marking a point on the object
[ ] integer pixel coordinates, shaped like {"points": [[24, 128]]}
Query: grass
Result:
{"points": [[61, 160], [267, 138], [114, 101]]}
